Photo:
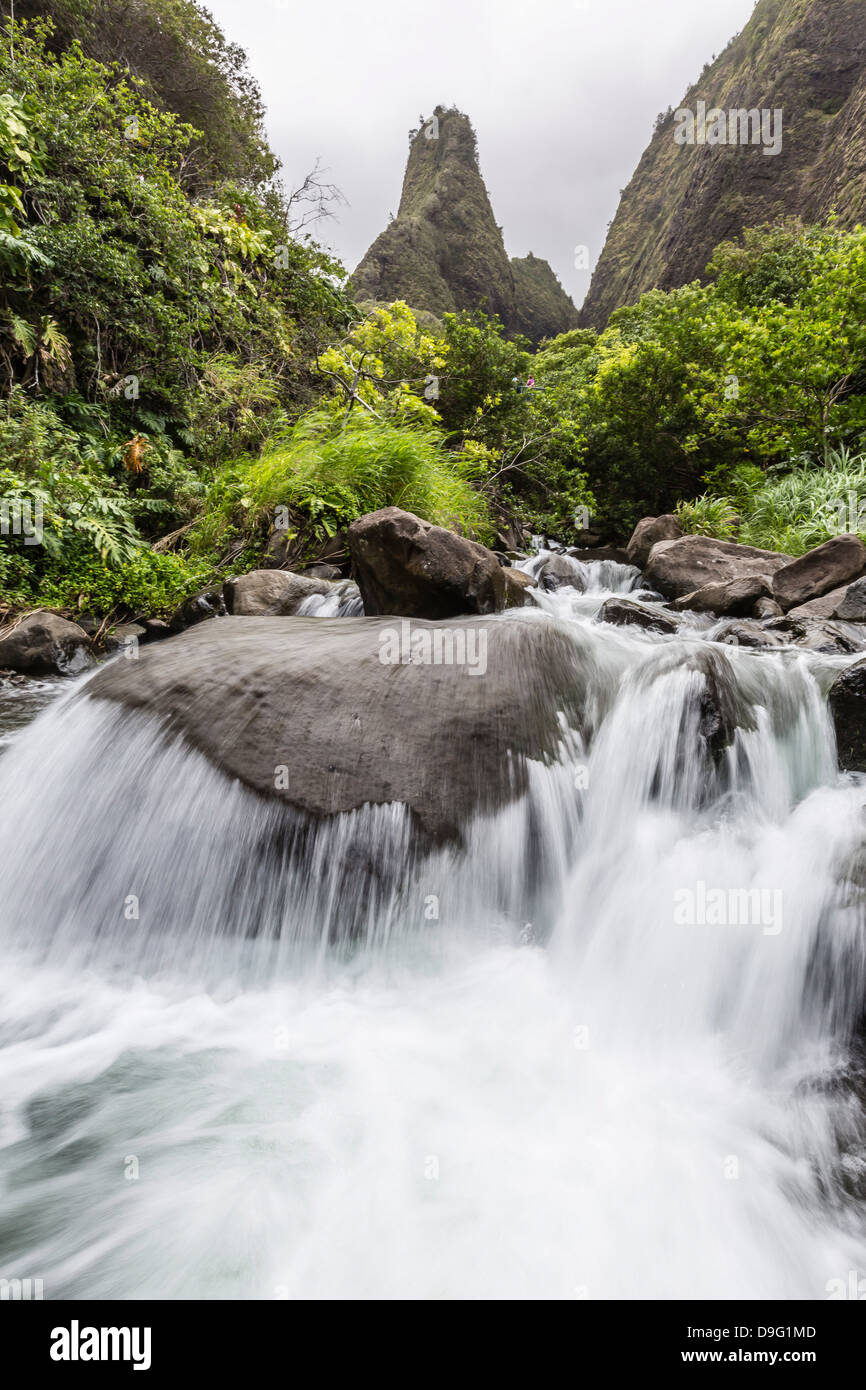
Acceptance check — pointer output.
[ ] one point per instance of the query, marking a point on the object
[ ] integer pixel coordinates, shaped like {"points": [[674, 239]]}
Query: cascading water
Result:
{"points": [[541, 1064]]}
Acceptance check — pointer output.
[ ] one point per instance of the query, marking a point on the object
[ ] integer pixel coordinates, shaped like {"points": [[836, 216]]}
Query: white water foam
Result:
{"points": [[507, 1074]]}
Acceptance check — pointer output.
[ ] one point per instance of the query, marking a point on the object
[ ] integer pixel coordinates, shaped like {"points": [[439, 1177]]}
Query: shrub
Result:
{"points": [[708, 516], [803, 508], [148, 585], [325, 476]]}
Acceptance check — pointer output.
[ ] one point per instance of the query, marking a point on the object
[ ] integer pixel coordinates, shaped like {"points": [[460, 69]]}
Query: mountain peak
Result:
{"points": [[444, 250], [778, 131]]}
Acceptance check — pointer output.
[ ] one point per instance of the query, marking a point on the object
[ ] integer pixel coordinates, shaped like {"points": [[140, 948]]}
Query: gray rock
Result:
{"points": [[517, 589], [847, 701], [681, 567], [851, 608], [752, 634], [323, 571], [155, 629], [43, 644], [125, 635], [207, 604], [736, 597], [270, 593], [314, 696], [824, 607], [512, 537], [408, 568], [558, 572], [827, 567], [624, 613], [648, 533], [599, 553], [720, 715], [816, 635], [768, 608]]}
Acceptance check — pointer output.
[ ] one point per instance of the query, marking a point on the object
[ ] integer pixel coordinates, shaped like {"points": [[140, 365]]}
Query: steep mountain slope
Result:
{"points": [[444, 250], [806, 58]]}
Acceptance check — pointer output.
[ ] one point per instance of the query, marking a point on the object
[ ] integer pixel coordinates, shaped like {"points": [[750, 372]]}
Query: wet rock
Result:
{"points": [[125, 635], [851, 608], [830, 638], [625, 613], [827, 567], [324, 715], [43, 644], [155, 629], [681, 567], [558, 572], [407, 567], [600, 553], [271, 593], [847, 702], [736, 597], [752, 634], [198, 609], [815, 635], [648, 533], [719, 716], [768, 608], [518, 586]]}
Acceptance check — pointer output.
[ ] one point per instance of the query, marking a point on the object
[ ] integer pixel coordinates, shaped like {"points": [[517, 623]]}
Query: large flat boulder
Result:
{"points": [[827, 567], [327, 714], [43, 644], [680, 567], [407, 567], [648, 533]]}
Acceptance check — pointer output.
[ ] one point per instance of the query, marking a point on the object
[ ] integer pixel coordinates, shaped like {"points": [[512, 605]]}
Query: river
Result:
{"points": [[546, 1069]]}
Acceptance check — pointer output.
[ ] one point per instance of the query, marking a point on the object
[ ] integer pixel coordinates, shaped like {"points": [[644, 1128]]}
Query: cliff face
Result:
{"points": [[805, 58], [540, 300], [444, 250]]}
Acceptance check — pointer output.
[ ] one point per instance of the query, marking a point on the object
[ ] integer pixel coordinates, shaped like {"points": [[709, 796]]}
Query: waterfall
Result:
{"points": [[607, 1047]]}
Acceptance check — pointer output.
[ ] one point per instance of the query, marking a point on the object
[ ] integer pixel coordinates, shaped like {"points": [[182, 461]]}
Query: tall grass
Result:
{"points": [[790, 512], [808, 506], [708, 516], [326, 476]]}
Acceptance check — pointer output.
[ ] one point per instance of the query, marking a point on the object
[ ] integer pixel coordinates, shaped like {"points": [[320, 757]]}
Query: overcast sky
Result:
{"points": [[562, 94]]}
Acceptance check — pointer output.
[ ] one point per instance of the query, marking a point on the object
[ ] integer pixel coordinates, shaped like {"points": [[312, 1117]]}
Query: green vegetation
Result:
{"points": [[682, 200], [688, 392], [187, 388], [326, 473], [791, 511], [708, 516]]}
